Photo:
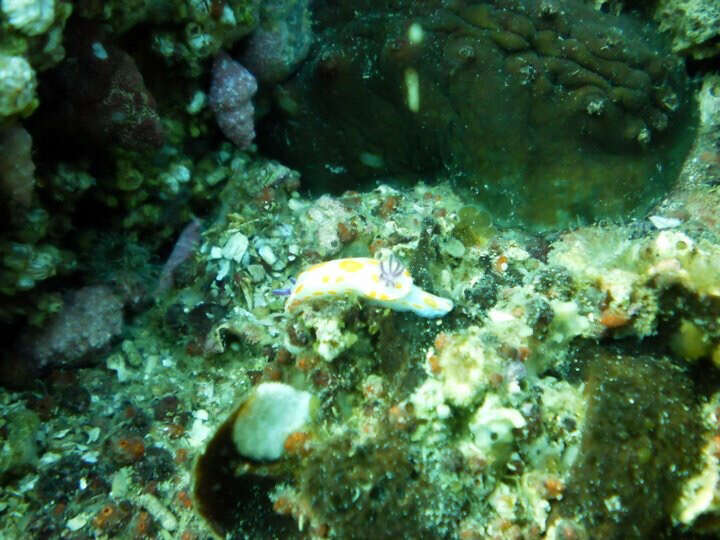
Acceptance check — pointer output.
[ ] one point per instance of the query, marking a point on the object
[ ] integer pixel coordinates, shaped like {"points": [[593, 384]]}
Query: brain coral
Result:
{"points": [[547, 110]]}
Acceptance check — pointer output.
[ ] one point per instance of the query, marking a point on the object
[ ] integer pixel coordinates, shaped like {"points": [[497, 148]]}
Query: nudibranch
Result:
{"points": [[387, 283]]}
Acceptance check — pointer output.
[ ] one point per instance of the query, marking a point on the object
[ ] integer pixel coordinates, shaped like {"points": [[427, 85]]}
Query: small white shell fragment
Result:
{"points": [[266, 254], [223, 270], [48, 458], [198, 433], [661, 222], [500, 316], [235, 247], [91, 457], [61, 433], [93, 434], [78, 522]]}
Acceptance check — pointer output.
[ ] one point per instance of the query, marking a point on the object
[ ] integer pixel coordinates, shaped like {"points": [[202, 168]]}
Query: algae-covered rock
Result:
{"points": [[699, 503], [377, 490], [640, 442], [548, 112]]}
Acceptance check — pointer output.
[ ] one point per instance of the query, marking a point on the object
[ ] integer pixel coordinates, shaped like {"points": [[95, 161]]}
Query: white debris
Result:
{"points": [[235, 247], [661, 222], [78, 522], [266, 254]]}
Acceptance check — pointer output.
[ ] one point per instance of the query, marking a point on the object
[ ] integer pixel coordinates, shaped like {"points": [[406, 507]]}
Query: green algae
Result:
{"points": [[474, 226]]}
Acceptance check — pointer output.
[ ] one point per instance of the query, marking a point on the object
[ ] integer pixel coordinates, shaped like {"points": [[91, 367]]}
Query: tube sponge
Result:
{"points": [[268, 416]]}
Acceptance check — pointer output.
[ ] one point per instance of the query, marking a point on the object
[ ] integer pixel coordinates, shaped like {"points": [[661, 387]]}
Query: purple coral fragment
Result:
{"points": [[231, 92], [183, 249]]}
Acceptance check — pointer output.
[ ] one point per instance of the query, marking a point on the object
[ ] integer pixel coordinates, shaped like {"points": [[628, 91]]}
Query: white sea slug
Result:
{"points": [[386, 283]]}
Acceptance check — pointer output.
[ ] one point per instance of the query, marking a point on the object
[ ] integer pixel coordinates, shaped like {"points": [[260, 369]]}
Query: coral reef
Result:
{"points": [[30, 41], [17, 89], [184, 35], [157, 382]]}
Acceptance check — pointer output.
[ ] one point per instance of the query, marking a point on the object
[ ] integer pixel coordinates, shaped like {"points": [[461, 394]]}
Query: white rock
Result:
{"points": [[492, 425], [116, 363], [78, 522]]}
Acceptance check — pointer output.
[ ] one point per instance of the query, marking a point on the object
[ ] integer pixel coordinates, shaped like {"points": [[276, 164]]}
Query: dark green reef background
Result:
{"points": [[544, 112]]}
